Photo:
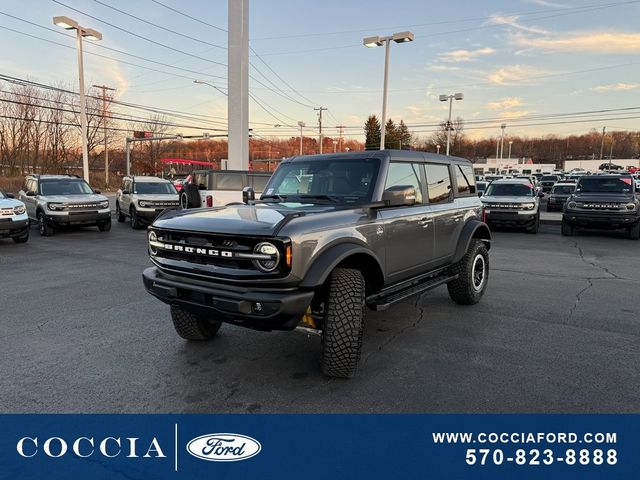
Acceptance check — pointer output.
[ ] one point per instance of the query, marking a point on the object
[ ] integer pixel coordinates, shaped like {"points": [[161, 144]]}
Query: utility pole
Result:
{"points": [[301, 124], [238, 84], [602, 142], [104, 89], [320, 110], [340, 129], [611, 152], [503, 126]]}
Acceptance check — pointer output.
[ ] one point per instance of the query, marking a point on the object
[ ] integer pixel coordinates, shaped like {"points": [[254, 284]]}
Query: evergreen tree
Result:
{"points": [[391, 140], [404, 136], [372, 133]]}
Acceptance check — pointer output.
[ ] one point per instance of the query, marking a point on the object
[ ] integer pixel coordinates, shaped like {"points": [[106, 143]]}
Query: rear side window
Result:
{"points": [[229, 181], [405, 174], [438, 183], [259, 182], [465, 180]]}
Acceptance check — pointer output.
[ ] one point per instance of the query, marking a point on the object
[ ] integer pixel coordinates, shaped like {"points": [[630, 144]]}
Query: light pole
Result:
{"points": [[503, 126], [91, 34], [444, 98], [335, 146], [510, 143], [371, 42], [301, 124], [202, 82], [438, 149]]}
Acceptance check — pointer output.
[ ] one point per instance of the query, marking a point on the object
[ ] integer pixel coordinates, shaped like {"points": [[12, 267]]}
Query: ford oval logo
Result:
{"points": [[224, 447]]}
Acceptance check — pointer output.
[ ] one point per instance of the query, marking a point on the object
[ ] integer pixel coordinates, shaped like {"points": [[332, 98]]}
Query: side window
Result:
{"points": [[465, 180], [33, 186], [438, 183], [229, 181], [405, 174], [200, 181], [259, 182], [124, 184]]}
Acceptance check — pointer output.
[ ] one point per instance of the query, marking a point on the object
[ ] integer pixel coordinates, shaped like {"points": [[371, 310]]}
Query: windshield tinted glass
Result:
{"points": [[519, 189], [65, 187], [348, 181], [549, 178], [157, 188], [481, 186], [563, 189], [605, 184]]}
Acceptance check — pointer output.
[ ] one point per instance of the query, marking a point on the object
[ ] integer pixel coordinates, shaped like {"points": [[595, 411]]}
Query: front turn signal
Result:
{"points": [[287, 255]]}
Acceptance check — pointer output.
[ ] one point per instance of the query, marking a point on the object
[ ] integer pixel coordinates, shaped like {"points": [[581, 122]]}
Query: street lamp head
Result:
{"points": [[402, 37], [444, 98], [459, 96], [301, 123], [198, 81], [65, 22], [372, 42], [91, 34], [503, 126]]}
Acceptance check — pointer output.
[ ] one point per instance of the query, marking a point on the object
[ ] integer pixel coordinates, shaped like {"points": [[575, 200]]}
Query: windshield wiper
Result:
{"points": [[320, 197], [274, 196]]}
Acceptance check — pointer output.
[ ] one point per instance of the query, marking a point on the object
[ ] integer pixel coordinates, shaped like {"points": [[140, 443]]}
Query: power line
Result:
{"points": [[188, 16]]}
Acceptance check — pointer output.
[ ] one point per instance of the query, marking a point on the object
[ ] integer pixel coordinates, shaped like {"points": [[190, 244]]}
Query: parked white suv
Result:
{"points": [[14, 222], [142, 199]]}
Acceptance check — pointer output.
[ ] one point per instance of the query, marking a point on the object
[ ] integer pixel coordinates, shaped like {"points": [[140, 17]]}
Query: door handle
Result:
{"points": [[425, 222]]}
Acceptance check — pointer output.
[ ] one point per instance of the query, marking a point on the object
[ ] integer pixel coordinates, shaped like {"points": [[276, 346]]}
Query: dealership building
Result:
{"points": [[504, 166]]}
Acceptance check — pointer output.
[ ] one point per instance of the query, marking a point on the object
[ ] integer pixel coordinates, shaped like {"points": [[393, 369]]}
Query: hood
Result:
{"points": [[257, 220], [10, 203], [90, 197], [603, 197], [158, 196], [506, 199]]}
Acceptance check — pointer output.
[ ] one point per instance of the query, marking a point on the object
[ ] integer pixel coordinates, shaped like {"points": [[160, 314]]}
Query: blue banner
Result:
{"points": [[319, 446]]}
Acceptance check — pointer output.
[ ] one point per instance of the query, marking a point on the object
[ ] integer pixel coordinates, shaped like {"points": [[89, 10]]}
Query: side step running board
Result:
{"points": [[383, 300]]}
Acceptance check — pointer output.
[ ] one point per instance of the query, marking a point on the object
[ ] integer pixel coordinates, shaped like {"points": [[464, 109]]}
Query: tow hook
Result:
{"points": [[308, 324]]}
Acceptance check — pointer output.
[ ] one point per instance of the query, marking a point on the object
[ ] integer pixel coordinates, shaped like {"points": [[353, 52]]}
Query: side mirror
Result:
{"points": [[480, 194], [95, 190], [248, 195], [399, 196], [126, 192], [31, 194], [541, 194], [10, 195]]}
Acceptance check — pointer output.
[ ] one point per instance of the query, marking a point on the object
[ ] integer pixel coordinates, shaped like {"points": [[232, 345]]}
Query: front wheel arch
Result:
{"points": [[472, 230]]}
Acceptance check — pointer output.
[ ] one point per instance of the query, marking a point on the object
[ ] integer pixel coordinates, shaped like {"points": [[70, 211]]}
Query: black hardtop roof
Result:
{"points": [[406, 155]]}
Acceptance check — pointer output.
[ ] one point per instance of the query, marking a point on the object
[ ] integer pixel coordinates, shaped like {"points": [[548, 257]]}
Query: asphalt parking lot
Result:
{"points": [[557, 331]]}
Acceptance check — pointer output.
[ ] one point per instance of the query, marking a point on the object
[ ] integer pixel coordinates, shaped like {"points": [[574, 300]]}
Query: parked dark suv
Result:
{"points": [[330, 235], [603, 202]]}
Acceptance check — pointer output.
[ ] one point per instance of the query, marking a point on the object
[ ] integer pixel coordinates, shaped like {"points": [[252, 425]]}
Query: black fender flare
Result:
{"points": [[472, 229], [322, 267]]}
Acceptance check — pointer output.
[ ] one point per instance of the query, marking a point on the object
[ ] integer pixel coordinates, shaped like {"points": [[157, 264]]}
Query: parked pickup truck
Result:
{"points": [[330, 235], [213, 188]]}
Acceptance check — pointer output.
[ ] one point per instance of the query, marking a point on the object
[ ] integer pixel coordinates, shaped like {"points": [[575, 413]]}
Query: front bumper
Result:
{"points": [[511, 218], [150, 214], [280, 309], [79, 218], [600, 220], [14, 228]]}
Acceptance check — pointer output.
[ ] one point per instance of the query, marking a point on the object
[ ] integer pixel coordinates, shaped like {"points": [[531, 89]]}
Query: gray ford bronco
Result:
{"points": [[329, 236]]}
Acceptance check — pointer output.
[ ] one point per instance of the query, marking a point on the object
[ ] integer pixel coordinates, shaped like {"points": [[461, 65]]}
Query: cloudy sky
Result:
{"points": [[523, 62]]}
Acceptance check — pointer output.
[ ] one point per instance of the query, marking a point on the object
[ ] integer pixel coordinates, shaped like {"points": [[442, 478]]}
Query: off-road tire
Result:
{"points": [[566, 229], [191, 326], [536, 226], [343, 324], [634, 231], [184, 200], [133, 219], [119, 215], [468, 288], [44, 228], [23, 239], [105, 226]]}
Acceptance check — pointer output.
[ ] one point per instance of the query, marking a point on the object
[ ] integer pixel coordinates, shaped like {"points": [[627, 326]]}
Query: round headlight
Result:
{"points": [[153, 238], [571, 204], [143, 204], [19, 210], [267, 264], [631, 206]]}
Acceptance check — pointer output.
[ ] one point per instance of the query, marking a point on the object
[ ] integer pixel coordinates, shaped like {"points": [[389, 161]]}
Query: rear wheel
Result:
{"points": [[566, 229], [343, 324], [473, 275], [634, 231], [191, 326], [44, 228]]}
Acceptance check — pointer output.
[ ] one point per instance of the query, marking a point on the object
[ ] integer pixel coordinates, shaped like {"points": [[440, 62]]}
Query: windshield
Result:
{"points": [[157, 188], [605, 184], [481, 186], [549, 178], [519, 189], [65, 187], [2, 194], [338, 180], [563, 189]]}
